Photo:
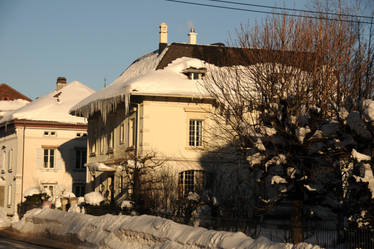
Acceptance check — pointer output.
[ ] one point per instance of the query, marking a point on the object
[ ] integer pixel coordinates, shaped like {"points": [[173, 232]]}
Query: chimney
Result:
{"points": [[192, 36], [61, 82], [163, 37]]}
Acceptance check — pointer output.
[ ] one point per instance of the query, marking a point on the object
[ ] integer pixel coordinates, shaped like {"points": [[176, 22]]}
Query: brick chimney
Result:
{"points": [[163, 37], [192, 36], [61, 82]]}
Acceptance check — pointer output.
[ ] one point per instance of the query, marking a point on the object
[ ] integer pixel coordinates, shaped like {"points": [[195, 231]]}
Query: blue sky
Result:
{"points": [[89, 40]]}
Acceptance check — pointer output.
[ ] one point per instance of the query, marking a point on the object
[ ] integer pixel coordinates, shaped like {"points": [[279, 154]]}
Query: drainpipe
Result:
{"points": [[23, 159]]}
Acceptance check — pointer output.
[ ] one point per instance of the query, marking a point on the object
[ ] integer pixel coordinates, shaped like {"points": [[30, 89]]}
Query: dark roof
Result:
{"points": [[228, 56], [9, 93]]}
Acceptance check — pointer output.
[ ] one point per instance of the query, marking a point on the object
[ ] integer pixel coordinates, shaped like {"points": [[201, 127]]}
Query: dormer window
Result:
{"points": [[195, 73]]}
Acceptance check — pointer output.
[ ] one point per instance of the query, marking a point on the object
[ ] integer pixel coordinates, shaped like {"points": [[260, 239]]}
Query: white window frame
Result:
{"points": [[111, 140], [9, 199], [4, 162], [122, 133], [49, 156], [10, 159], [50, 187], [132, 132], [195, 132]]}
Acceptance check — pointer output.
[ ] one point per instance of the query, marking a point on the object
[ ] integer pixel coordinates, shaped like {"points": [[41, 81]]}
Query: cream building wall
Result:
{"points": [[26, 169], [162, 128]]}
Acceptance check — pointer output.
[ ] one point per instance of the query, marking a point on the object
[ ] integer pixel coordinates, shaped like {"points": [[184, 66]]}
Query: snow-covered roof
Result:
{"points": [[53, 107], [11, 105], [142, 78]]}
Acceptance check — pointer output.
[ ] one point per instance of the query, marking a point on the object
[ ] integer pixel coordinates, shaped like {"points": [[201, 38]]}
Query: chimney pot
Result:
{"points": [[163, 37], [192, 36], [61, 82]]}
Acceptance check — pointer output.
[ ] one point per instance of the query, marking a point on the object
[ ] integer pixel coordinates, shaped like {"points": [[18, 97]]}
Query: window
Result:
{"points": [[92, 146], [195, 73], [9, 202], [111, 141], [49, 158], [4, 159], [102, 144], [49, 189], [192, 181], [10, 159], [80, 158], [122, 133], [195, 133], [79, 189], [132, 132]]}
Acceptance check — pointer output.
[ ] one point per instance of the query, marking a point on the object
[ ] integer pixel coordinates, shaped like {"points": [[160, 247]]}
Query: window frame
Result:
{"points": [[195, 133], [81, 186], [122, 133], [9, 196], [193, 180], [132, 132], [80, 159], [47, 164]]}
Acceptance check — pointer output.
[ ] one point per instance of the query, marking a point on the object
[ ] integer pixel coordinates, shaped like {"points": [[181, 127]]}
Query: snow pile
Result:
{"points": [[93, 198], [54, 106], [135, 232]]}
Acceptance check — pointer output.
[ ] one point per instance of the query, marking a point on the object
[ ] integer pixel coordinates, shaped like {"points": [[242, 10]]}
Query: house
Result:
{"points": [[11, 99], [42, 145], [155, 111]]}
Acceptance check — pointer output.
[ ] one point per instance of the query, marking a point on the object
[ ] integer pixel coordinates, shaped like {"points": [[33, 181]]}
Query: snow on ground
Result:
{"points": [[54, 106], [136, 232]]}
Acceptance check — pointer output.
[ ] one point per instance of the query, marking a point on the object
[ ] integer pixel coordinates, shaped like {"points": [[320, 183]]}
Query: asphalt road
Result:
{"points": [[14, 244]]}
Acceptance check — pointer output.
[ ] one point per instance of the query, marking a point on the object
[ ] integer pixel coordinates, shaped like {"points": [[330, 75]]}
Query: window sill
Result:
{"points": [[195, 148]]}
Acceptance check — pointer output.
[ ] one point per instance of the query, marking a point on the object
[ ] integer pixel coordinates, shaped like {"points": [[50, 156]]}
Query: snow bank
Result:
{"points": [[93, 198], [136, 232]]}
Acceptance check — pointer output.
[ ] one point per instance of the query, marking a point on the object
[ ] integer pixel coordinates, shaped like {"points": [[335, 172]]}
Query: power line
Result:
{"points": [[267, 12], [291, 9]]}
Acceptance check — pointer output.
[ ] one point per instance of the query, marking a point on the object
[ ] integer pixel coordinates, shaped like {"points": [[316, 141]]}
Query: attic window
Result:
{"points": [[195, 73]]}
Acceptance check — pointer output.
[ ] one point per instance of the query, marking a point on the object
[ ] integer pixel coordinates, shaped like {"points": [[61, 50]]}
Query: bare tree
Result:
{"points": [[285, 106]]}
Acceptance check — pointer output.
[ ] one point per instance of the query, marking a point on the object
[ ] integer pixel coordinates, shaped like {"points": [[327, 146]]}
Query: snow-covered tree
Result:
{"points": [[294, 109]]}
